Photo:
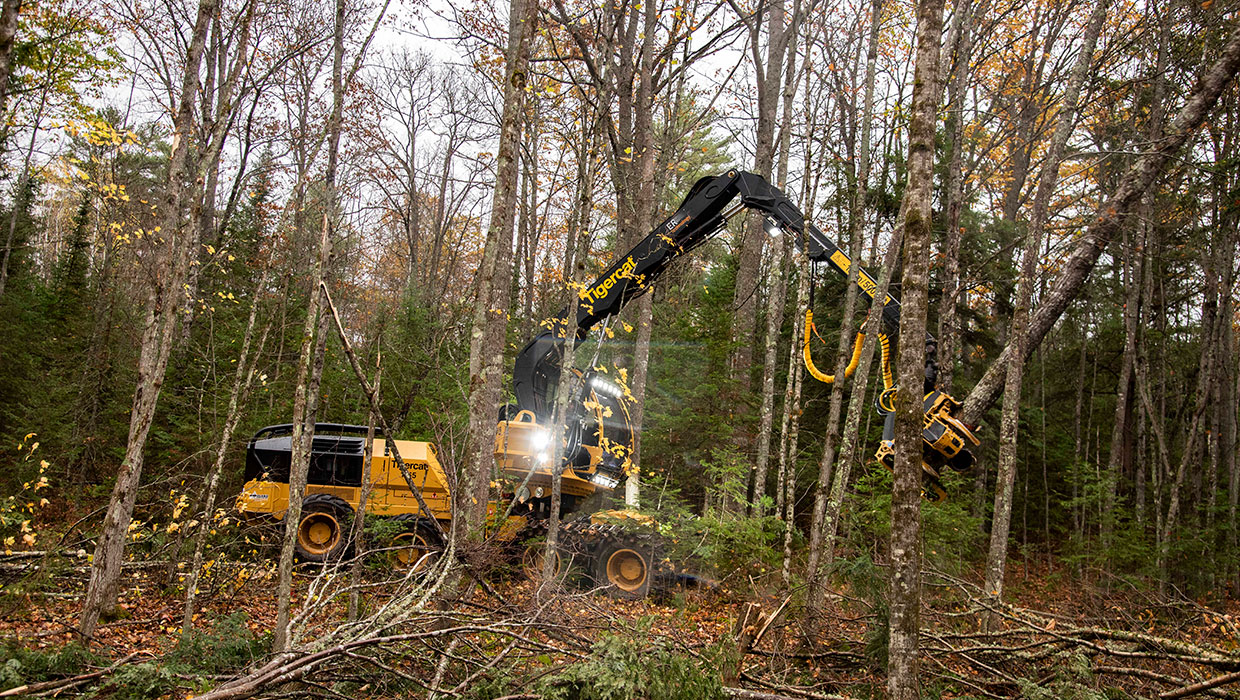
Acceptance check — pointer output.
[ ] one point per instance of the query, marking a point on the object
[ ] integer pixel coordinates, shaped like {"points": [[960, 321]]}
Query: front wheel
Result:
{"points": [[624, 568], [323, 531], [534, 559]]}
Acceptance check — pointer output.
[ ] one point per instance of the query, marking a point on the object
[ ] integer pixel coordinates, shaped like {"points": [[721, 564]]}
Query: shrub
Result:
{"points": [[230, 645], [624, 667], [138, 682], [24, 666]]}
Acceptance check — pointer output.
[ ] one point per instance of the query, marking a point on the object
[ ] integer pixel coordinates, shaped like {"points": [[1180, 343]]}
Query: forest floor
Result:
{"points": [[1060, 638], [1061, 632]]}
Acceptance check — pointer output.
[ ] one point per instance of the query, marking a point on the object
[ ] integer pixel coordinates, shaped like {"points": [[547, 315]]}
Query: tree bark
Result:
{"points": [[902, 669], [768, 76], [8, 36], [1107, 221], [949, 332], [243, 379], [822, 535], [777, 288], [368, 482], [311, 360], [486, 347], [158, 327]]}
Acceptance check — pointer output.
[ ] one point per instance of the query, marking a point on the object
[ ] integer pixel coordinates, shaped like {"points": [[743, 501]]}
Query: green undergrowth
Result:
{"points": [[633, 666], [229, 646]]}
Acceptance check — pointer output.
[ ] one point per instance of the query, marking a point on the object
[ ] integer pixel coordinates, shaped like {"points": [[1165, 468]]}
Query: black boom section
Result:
{"points": [[537, 369], [701, 215]]}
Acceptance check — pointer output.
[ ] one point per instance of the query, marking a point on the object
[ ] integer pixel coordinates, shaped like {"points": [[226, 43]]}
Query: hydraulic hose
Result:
{"points": [[809, 357]]}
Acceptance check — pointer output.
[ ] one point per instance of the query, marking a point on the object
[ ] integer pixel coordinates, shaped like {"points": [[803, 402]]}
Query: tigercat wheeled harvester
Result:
{"points": [[616, 549]]}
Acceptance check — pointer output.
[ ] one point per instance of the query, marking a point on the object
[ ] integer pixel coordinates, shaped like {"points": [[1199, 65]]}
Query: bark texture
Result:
{"points": [[996, 561], [8, 36], [486, 340], [159, 324], [902, 679]]}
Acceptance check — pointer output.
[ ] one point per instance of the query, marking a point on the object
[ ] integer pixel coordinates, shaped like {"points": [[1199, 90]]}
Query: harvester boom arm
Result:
{"points": [[702, 214]]}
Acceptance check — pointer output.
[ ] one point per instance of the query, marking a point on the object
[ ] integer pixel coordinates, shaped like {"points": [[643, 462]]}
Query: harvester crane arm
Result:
{"points": [[702, 214]]}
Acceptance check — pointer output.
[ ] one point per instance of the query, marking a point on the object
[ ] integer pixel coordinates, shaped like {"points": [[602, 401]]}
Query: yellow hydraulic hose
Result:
{"points": [[809, 358], [885, 342], [886, 398]]}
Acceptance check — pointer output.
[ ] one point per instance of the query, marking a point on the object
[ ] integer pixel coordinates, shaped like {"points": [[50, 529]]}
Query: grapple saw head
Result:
{"points": [[944, 443]]}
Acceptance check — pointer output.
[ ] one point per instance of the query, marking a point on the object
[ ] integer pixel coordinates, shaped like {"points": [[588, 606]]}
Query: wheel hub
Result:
{"points": [[319, 532], [626, 569]]}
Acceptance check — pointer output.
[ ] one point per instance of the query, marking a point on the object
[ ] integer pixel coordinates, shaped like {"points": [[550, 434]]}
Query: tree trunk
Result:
{"points": [[486, 346], [822, 535], [8, 35], [902, 679], [949, 333], [996, 561], [359, 520], [310, 362], [778, 286], [777, 289], [1108, 219], [768, 75], [158, 327], [243, 379], [643, 168]]}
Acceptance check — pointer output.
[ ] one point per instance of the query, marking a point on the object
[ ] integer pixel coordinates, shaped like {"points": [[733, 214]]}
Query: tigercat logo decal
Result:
{"points": [[600, 291], [868, 285]]}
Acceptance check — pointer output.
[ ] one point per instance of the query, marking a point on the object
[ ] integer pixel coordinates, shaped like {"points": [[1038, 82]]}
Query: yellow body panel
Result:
{"points": [[389, 495], [523, 446]]}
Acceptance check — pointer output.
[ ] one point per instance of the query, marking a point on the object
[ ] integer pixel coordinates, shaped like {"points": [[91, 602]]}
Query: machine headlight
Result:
{"points": [[605, 387], [540, 440], [772, 228], [604, 481]]}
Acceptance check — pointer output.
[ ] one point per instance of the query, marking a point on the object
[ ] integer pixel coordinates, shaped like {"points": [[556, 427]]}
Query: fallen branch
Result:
{"points": [[1203, 686], [45, 686]]}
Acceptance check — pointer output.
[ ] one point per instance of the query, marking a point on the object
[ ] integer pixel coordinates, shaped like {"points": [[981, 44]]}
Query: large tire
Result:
{"points": [[624, 568], [323, 534], [534, 557], [416, 546]]}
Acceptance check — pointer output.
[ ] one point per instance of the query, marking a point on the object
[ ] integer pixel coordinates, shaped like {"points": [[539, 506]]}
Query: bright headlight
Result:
{"points": [[605, 387], [772, 229], [604, 481], [540, 440]]}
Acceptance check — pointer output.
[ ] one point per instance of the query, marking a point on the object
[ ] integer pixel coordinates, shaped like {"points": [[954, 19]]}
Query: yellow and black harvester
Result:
{"points": [[617, 549]]}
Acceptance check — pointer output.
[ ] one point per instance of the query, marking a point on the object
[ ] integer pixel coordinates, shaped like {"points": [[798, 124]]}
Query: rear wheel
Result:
{"points": [[624, 568], [417, 547], [534, 559], [323, 531]]}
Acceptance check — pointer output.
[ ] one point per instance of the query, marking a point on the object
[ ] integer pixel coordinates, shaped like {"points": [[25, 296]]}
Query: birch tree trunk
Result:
{"points": [[8, 34], [902, 669], [159, 324]]}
